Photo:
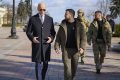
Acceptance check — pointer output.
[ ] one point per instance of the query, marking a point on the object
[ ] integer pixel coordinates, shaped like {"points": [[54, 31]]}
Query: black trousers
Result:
{"points": [[44, 69]]}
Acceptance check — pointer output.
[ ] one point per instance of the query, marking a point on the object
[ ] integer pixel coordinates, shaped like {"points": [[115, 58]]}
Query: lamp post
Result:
{"points": [[30, 4], [13, 28], [31, 8]]}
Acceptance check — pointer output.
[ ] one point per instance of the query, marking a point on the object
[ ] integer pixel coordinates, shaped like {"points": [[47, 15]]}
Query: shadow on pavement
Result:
{"points": [[21, 56], [11, 70]]}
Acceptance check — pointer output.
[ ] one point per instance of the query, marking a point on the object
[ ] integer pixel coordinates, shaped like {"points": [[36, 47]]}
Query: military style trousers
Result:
{"points": [[70, 59], [99, 50], [82, 56]]}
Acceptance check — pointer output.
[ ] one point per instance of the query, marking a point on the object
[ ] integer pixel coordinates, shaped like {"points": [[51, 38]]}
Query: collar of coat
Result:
{"points": [[63, 23], [64, 26], [105, 23]]}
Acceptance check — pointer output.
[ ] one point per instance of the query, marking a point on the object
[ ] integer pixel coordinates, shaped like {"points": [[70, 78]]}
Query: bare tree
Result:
{"points": [[103, 5]]}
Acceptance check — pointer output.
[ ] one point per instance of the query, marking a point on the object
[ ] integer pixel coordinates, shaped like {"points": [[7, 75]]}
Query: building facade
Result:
{"points": [[3, 11]]}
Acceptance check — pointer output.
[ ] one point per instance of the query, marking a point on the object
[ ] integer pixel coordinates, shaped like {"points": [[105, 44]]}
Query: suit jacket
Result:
{"points": [[61, 37], [40, 51]]}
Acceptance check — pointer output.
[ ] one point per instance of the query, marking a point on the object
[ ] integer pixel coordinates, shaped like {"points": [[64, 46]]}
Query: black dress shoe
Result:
{"points": [[82, 62], [98, 71]]}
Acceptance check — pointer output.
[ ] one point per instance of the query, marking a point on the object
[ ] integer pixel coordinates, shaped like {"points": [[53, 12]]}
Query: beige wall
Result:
{"points": [[3, 11]]}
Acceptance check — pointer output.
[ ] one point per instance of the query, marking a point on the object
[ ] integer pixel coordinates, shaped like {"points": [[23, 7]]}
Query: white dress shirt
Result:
{"points": [[42, 18]]}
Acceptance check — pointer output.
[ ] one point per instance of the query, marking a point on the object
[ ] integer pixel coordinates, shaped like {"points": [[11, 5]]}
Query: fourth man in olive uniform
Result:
{"points": [[100, 34]]}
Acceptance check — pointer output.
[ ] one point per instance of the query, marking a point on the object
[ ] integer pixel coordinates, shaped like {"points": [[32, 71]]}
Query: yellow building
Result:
{"points": [[3, 11]]}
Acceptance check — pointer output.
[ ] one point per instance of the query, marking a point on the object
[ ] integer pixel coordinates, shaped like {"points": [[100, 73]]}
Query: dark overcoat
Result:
{"points": [[40, 51]]}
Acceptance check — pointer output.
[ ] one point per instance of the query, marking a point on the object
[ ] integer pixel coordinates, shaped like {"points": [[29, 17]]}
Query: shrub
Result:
{"points": [[117, 31], [9, 25], [6, 25]]}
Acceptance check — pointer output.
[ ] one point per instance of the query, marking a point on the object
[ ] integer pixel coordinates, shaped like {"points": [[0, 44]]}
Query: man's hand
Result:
{"points": [[57, 51], [49, 40], [35, 40], [81, 51]]}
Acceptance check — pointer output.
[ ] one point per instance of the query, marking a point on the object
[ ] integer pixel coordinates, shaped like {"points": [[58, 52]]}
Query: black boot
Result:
{"points": [[82, 61], [98, 71]]}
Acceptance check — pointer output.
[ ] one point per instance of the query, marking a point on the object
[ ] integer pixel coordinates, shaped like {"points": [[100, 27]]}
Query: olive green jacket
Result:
{"points": [[93, 31], [61, 37], [86, 22]]}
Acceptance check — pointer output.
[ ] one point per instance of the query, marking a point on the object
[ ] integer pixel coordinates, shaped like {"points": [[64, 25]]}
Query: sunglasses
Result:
{"points": [[42, 9]]}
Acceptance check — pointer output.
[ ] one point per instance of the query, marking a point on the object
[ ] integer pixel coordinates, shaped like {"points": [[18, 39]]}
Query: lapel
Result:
{"points": [[65, 28], [95, 24], [76, 29], [45, 20], [77, 32], [38, 19]]}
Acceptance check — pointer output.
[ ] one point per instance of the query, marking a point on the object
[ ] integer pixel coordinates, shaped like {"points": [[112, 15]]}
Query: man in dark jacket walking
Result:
{"points": [[41, 33], [71, 40]]}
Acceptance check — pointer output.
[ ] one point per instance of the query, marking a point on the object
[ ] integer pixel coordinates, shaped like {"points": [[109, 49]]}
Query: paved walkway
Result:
{"points": [[15, 61]]}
